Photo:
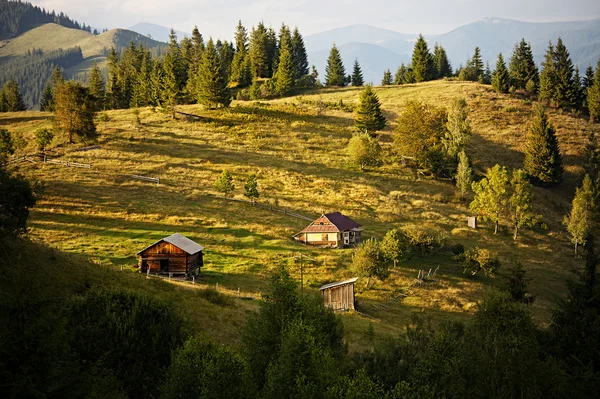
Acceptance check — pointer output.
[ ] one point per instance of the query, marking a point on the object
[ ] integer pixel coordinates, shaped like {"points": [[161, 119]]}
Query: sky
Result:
{"points": [[218, 18]]}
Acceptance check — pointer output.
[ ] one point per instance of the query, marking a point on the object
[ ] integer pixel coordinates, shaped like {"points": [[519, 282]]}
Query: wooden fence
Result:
{"points": [[150, 179]]}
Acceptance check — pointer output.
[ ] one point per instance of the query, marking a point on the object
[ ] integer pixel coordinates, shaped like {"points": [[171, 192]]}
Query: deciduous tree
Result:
{"points": [[492, 194], [464, 175], [364, 151], [458, 129], [224, 183], [75, 111], [369, 262], [581, 219], [521, 201]]}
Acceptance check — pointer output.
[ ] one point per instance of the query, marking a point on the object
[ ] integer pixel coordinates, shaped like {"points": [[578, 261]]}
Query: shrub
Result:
{"points": [[478, 259], [424, 240]]}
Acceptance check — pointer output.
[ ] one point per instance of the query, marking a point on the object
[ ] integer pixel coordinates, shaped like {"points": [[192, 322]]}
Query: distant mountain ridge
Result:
{"points": [[156, 32], [492, 35]]}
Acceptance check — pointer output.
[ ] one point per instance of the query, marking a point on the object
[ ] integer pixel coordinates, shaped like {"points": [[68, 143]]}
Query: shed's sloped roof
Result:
{"points": [[338, 221], [331, 285], [181, 242]]}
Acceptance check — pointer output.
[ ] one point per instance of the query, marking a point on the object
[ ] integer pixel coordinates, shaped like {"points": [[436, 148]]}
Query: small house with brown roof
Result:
{"points": [[175, 254], [333, 230]]}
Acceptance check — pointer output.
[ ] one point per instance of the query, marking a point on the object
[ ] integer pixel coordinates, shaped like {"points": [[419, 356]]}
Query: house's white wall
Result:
{"points": [[333, 237], [318, 237]]}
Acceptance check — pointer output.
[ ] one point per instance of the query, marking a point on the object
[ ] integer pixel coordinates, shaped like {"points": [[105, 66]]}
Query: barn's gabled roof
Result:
{"points": [[331, 285], [181, 242], [338, 221]]}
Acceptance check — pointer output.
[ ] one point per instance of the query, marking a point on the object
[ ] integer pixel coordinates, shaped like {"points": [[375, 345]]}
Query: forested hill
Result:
{"points": [[17, 17]]}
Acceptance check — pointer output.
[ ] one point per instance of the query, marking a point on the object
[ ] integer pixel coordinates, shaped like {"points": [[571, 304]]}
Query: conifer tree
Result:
{"points": [[212, 90], [357, 76], [564, 93], [142, 92], [175, 62], [284, 77], [521, 201], [387, 78], [224, 183], [335, 73], [11, 97], [477, 65], [369, 118], [492, 195], [259, 51], [195, 60], [96, 88], [580, 220], [578, 90], [272, 52], [400, 76], [522, 66], [114, 91], [543, 161], [441, 63], [593, 96], [588, 79], [47, 100], [241, 52], [548, 76], [170, 83], [501, 78], [299, 56], [251, 188], [422, 61], [591, 157], [486, 78], [245, 74], [458, 128], [464, 175]]}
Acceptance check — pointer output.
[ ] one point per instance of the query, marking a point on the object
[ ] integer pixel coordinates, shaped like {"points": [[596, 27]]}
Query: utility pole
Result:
{"points": [[301, 257]]}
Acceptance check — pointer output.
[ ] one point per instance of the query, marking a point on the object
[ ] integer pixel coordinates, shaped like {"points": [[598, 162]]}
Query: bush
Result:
{"points": [[424, 240], [478, 259], [215, 297]]}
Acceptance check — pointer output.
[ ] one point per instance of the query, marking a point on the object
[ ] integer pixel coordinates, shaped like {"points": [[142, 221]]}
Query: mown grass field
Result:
{"points": [[296, 147]]}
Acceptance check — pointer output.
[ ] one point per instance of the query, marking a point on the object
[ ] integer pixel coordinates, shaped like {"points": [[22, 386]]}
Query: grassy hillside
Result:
{"points": [[50, 37], [298, 154]]}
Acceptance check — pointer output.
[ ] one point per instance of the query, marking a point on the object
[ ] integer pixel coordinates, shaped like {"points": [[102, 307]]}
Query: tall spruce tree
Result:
{"points": [[543, 160], [259, 51], [241, 52], [588, 79], [593, 96], [212, 90], [335, 73], [357, 76], [387, 78], [591, 157], [284, 77], [548, 76], [299, 56], [369, 117], [477, 65], [422, 61], [195, 61], [441, 63], [170, 84], [142, 92], [501, 77], [400, 76], [578, 91], [522, 66], [157, 78], [564, 93], [96, 88]]}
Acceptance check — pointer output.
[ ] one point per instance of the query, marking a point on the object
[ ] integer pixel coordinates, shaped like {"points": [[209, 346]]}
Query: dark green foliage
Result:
{"points": [[74, 111], [126, 335], [357, 76], [522, 66], [593, 96], [260, 51], [284, 77], [588, 79], [369, 117], [404, 75], [368, 261], [10, 98], [548, 76], [299, 56], [43, 138], [564, 91], [335, 73], [515, 282], [501, 78], [7, 146], [202, 369], [591, 157], [212, 90], [422, 61], [96, 88], [361, 385], [17, 195], [17, 17], [543, 161], [477, 64], [387, 78], [441, 63], [479, 259], [578, 90], [292, 341], [47, 100], [251, 188]]}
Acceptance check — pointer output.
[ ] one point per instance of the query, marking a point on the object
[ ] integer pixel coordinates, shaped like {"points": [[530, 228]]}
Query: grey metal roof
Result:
{"points": [[331, 285], [181, 242]]}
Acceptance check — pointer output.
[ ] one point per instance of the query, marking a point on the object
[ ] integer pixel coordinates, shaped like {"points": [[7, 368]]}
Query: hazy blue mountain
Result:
{"points": [[492, 35], [156, 32], [373, 59]]}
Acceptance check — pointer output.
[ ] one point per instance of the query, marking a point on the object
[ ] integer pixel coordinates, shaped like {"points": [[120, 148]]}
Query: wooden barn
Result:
{"points": [[340, 295], [333, 230], [176, 254]]}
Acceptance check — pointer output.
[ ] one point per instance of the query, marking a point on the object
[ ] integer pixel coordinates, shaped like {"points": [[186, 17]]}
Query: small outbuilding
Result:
{"points": [[333, 230], [176, 254], [340, 295]]}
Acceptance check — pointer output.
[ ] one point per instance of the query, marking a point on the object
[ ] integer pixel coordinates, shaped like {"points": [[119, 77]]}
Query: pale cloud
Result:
{"points": [[219, 18]]}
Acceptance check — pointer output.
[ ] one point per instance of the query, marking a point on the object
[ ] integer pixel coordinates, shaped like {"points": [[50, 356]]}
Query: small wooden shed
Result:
{"points": [[340, 295], [175, 255]]}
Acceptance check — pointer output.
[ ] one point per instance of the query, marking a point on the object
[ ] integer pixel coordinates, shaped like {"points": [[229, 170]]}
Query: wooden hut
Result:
{"points": [[340, 295], [176, 255]]}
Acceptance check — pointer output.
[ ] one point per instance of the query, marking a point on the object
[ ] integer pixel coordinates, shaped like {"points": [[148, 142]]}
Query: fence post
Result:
{"points": [[238, 292], [217, 287]]}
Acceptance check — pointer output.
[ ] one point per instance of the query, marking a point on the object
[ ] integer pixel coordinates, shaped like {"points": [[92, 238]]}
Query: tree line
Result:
{"points": [[17, 17]]}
